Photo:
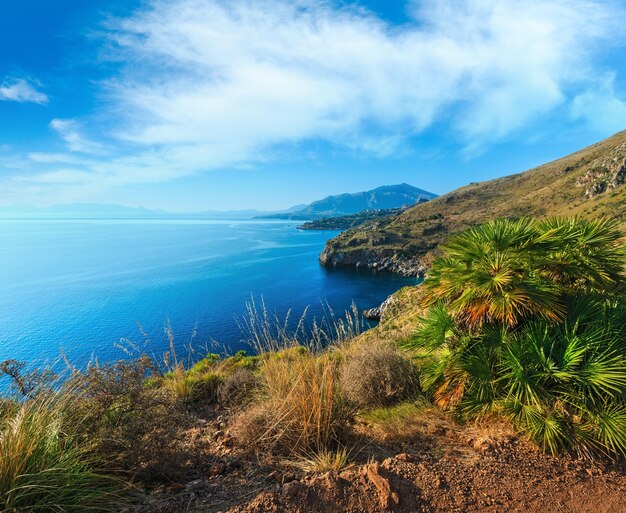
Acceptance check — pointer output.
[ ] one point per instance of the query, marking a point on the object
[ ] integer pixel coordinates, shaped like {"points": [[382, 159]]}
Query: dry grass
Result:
{"points": [[267, 333], [301, 409], [326, 460]]}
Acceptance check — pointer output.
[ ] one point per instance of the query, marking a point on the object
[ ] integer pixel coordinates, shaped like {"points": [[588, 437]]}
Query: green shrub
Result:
{"points": [[240, 360], [206, 364], [203, 387]]}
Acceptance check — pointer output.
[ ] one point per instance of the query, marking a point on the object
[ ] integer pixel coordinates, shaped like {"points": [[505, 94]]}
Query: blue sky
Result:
{"points": [[212, 104]]}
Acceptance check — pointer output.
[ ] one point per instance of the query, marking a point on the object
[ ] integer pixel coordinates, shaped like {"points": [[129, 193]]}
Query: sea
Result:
{"points": [[102, 290]]}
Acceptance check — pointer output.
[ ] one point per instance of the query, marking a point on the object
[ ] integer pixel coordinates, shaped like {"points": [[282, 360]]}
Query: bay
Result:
{"points": [[82, 288]]}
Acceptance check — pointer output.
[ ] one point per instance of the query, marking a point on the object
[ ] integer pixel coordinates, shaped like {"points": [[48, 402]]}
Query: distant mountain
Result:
{"points": [[381, 198], [77, 210]]}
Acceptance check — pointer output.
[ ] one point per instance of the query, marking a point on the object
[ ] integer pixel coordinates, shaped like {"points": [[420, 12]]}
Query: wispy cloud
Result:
{"points": [[206, 84], [601, 106], [274, 72], [69, 130], [21, 90]]}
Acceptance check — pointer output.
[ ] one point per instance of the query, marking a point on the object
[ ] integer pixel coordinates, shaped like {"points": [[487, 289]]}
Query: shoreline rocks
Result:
{"points": [[376, 313], [376, 260]]}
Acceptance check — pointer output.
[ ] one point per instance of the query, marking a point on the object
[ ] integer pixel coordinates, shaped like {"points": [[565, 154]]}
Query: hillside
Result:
{"points": [[381, 198], [589, 182]]}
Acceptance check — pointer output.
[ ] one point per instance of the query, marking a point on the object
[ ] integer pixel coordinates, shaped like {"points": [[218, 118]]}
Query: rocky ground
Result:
{"points": [[439, 466]]}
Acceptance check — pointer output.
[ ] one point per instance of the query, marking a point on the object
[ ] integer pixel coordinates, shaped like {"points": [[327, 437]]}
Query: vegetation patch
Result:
{"points": [[378, 375], [46, 465], [399, 422], [527, 320]]}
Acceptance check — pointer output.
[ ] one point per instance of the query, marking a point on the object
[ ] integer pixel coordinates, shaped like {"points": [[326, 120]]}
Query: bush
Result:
{"points": [[133, 424], [378, 375], [238, 389], [195, 388], [46, 465], [204, 388], [509, 271]]}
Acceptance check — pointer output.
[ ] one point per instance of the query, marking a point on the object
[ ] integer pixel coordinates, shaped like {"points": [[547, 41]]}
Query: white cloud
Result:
{"points": [[60, 177], [262, 73], [56, 158], [20, 90], [601, 107], [209, 83], [70, 132]]}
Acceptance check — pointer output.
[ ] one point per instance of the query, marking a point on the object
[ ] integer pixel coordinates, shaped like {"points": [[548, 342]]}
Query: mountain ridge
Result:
{"points": [[381, 198]]}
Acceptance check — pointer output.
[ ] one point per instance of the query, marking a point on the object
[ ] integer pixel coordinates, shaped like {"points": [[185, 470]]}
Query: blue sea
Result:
{"points": [[83, 288]]}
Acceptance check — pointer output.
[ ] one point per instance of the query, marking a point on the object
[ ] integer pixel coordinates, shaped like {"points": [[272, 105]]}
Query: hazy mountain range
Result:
{"points": [[381, 198], [390, 196], [105, 211]]}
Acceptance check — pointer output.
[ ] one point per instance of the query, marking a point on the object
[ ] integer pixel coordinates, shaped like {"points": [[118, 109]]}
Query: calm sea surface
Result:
{"points": [[80, 287]]}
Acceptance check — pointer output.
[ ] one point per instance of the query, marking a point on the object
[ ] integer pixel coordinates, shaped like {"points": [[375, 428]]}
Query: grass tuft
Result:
{"points": [[45, 466], [326, 460]]}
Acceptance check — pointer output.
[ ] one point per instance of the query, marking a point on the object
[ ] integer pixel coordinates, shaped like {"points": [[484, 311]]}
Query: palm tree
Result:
{"points": [[585, 255], [509, 270], [527, 319]]}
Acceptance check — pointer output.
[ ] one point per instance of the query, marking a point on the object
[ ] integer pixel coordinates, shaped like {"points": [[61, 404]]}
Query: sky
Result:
{"points": [[191, 105]]}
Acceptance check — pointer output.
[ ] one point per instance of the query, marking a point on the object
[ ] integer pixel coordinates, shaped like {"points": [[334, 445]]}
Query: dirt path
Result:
{"points": [[513, 479], [445, 467], [440, 467]]}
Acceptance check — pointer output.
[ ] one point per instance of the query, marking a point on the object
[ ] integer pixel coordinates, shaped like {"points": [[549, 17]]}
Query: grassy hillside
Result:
{"points": [[590, 182]]}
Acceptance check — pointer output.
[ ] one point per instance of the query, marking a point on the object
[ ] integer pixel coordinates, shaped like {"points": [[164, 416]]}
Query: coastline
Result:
{"points": [[381, 260]]}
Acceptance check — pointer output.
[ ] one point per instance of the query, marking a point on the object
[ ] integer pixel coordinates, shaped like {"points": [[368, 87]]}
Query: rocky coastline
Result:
{"points": [[376, 313], [383, 260]]}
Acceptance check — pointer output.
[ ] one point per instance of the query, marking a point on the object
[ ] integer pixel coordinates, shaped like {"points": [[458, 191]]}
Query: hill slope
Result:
{"points": [[385, 197], [590, 182]]}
